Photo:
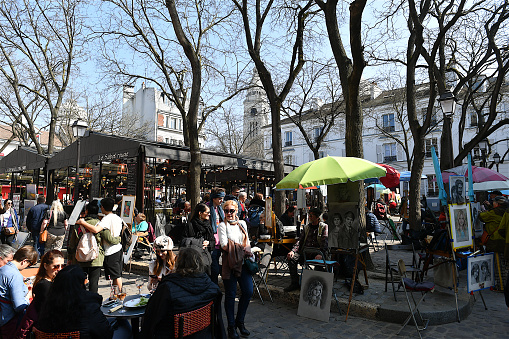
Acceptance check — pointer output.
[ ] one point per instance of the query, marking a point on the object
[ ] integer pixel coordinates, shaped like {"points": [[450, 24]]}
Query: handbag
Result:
{"points": [[9, 230], [251, 266], [485, 237], [43, 237]]}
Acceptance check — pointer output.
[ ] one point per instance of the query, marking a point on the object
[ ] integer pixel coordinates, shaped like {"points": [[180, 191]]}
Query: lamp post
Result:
{"points": [[447, 102], [483, 147], [496, 158], [78, 130]]}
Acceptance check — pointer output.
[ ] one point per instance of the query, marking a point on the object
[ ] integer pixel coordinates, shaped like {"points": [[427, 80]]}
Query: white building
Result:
{"points": [[382, 126], [149, 105]]}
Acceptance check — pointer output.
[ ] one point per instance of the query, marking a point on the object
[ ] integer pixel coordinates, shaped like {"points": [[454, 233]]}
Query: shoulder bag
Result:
{"points": [[251, 265], [43, 236]]}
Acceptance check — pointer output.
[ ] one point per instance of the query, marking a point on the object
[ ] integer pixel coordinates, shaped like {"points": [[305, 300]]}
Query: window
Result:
{"points": [[173, 123], [431, 142], [388, 122], [432, 186], [473, 118], [390, 152], [321, 154], [167, 121], [317, 131], [167, 140], [434, 121], [180, 124], [288, 159], [288, 139]]}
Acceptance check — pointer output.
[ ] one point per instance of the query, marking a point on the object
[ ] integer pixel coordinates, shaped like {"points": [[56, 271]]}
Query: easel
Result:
{"points": [[358, 258]]}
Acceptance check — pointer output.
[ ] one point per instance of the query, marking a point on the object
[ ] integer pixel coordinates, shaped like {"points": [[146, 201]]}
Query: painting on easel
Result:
{"points": [[480, 272], [461, 225]]}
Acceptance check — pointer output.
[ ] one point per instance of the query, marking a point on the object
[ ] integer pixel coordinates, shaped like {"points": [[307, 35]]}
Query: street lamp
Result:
{"points": [[447, 102], [78, 130], [483, 147], [496, 158]]}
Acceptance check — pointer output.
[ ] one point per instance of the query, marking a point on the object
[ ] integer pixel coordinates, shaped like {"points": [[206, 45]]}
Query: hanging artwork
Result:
{"points": [[127, 211], [480, 272], [476, 222], [315, 295], [457, 189], [344, 225], [461, 225]]}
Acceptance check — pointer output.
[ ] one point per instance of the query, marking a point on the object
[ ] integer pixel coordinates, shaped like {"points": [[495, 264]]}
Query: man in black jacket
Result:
{"points": [[287, 217], [35, 218]]}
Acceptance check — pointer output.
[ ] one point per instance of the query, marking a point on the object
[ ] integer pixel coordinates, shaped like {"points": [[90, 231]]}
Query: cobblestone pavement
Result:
{"points": [[280, 320]]}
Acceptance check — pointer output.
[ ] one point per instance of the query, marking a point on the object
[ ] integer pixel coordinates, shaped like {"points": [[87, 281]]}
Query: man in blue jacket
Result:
{"points": [[35, 218]]}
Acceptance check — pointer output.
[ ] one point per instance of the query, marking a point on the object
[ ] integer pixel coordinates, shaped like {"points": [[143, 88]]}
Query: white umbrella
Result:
{"points": [[491, 185]]}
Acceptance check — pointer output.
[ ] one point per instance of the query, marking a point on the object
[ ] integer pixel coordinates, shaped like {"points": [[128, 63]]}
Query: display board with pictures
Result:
{"points": [[344, 225], [461, 225], [480, 272], [457, 189], [315, 295], [127, 211]]}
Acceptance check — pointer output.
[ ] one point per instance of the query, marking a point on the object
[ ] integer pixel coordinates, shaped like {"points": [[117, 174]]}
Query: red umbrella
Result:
{"points": [[479, 174], [391, 179]]}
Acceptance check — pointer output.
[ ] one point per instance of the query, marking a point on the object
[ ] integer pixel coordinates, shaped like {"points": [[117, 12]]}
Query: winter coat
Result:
{"points": [[179, 294]]}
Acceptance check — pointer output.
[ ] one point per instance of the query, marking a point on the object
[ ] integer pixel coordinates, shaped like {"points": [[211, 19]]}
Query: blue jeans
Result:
{"points": [[215, 268], [230, 291], [38, 246]]}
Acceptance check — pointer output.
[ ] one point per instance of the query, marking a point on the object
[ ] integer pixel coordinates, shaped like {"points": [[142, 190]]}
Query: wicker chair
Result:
{"points": [[66, 335], [194, 321]]}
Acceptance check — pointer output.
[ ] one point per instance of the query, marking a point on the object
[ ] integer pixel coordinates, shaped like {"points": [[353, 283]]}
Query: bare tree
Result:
{"points": [[254, 20], [224, 131], [39, 49], [177, 45], [304, 105]]}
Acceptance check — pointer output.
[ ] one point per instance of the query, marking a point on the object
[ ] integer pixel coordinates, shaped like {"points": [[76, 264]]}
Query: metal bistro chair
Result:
{"points": [[411, 286], [262, 275], [328, 265], [194, 321], [391, 267]]}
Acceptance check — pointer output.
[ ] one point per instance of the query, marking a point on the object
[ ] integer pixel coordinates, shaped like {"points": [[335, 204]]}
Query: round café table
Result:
{"points": [[133, 314]]}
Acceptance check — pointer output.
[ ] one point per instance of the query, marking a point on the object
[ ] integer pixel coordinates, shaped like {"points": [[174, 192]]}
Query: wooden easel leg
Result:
{"points": [[352, 285], [455, 286], [482, 298]]}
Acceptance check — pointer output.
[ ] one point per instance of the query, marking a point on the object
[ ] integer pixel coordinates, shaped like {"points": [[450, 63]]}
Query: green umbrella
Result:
{"points": [[331, 170]]}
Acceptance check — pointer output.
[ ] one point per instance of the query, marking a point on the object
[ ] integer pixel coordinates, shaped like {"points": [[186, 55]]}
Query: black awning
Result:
{"points": [[22, 159], [95, 147]]}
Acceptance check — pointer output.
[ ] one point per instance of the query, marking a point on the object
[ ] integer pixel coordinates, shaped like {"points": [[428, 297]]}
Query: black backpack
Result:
{"points": [[253, 215], [126, 236]]}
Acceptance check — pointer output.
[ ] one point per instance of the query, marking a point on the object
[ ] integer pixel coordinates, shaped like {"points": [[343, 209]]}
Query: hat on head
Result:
{"points": [[163, 243], [500, 199]]}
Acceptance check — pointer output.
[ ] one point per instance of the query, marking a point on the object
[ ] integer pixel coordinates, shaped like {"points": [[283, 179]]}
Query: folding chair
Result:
{"points": [[410, 285], [261, 275], [328, 265], [66, 335], [194, 321], [391, 267], [127, 256]]}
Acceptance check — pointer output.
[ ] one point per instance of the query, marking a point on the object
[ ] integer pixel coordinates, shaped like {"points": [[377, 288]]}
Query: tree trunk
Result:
{"points": [[415, 185]]}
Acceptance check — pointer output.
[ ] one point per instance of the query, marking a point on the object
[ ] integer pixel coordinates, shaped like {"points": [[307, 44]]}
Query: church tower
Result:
{"points": [[256, 115]]}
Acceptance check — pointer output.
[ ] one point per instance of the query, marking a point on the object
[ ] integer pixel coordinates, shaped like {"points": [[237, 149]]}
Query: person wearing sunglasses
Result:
{"points": [[14, 294], [235, 245], [51, 263], [9, 223]]}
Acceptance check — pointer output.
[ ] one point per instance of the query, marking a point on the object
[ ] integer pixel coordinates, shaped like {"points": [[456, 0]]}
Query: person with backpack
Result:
{"points": [[112, 252], [92, 268], [256, 208]]}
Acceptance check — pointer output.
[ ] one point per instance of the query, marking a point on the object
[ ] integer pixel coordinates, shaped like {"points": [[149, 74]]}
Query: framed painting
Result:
{"points": [[480, 269], [457, 189], [315, 295], [127, 211], [461, 225]]}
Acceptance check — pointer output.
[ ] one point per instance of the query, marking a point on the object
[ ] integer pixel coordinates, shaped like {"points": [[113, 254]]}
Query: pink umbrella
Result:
{"points": [[479, 174]]}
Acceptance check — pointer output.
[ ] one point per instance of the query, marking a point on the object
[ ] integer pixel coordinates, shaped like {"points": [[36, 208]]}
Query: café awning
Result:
{"points": [[22, 159]]}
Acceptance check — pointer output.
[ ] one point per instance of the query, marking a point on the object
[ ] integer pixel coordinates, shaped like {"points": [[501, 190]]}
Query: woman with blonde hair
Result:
{"points": [[55, 222], [234, 240]]}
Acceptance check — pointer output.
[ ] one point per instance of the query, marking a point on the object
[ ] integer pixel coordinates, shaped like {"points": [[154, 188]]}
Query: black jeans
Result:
{"points": [[299, 259], [94, 274]]}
